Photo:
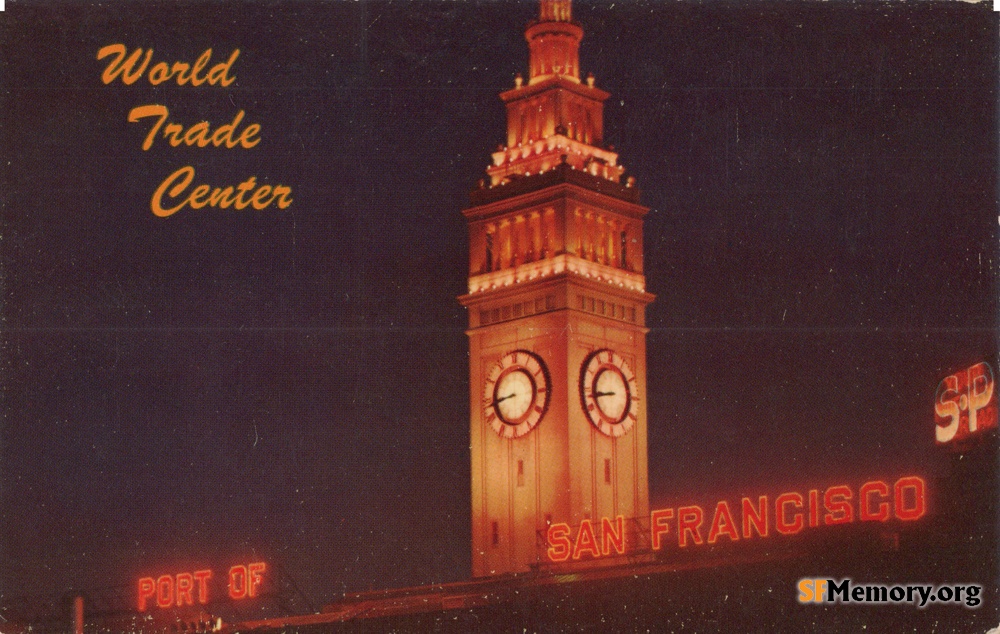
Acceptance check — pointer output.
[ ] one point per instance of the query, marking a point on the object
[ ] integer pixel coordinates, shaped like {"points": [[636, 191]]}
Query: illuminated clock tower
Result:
{"points": [[556, 302]]}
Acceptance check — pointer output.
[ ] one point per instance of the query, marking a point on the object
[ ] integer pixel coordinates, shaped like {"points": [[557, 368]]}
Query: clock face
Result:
{"points": [[608, 392], [516, 394]]}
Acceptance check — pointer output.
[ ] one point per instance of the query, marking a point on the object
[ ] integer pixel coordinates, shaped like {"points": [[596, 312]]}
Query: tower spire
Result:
{"points": [[554, 119], [555, 11], [554, 41]]}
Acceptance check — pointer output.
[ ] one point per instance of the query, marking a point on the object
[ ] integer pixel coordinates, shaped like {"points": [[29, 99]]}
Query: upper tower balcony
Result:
{"points": [[554, 118], [555, 204]]}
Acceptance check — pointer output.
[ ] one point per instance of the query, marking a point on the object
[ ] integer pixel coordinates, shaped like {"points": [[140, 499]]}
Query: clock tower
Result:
{"points": [[556, 302]]}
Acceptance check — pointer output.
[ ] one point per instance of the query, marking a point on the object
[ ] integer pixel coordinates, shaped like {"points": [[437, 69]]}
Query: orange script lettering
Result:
{"points": [[246, 194], [199, 134], [130, 69]]}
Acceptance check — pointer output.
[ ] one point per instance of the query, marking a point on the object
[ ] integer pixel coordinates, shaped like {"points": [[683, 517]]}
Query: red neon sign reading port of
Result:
{"points": [[245, 580], [187, 588]]}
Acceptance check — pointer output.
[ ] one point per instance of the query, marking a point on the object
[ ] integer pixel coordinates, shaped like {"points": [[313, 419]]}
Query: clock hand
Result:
{"points": [[504, 398], [600, 394]]}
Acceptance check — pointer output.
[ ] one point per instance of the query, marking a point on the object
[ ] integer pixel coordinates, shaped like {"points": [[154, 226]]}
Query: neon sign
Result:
{"points": [[787, 514], [187, 588], [964, 405]]}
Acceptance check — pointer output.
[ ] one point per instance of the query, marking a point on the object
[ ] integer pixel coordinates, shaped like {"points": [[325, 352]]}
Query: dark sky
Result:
{"points": [[293, 385]]}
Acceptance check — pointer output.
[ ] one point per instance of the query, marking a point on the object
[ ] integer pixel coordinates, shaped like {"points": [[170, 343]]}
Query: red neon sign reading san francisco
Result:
{"points": [[788, 514], [186, 588]]}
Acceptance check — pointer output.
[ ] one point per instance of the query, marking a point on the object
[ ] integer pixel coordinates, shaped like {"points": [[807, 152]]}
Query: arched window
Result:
{"points": [[489, 250]]}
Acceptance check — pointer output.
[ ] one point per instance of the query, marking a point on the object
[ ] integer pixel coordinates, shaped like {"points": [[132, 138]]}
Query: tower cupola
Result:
{"points": [[554, 42]]}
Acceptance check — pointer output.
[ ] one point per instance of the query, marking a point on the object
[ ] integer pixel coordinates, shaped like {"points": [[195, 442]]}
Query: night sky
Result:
{"points": [[292, 385]]}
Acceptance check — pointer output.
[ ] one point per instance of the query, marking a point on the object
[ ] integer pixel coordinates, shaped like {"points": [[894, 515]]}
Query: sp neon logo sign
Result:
{"points": [[964, 405], [188, 588]]}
